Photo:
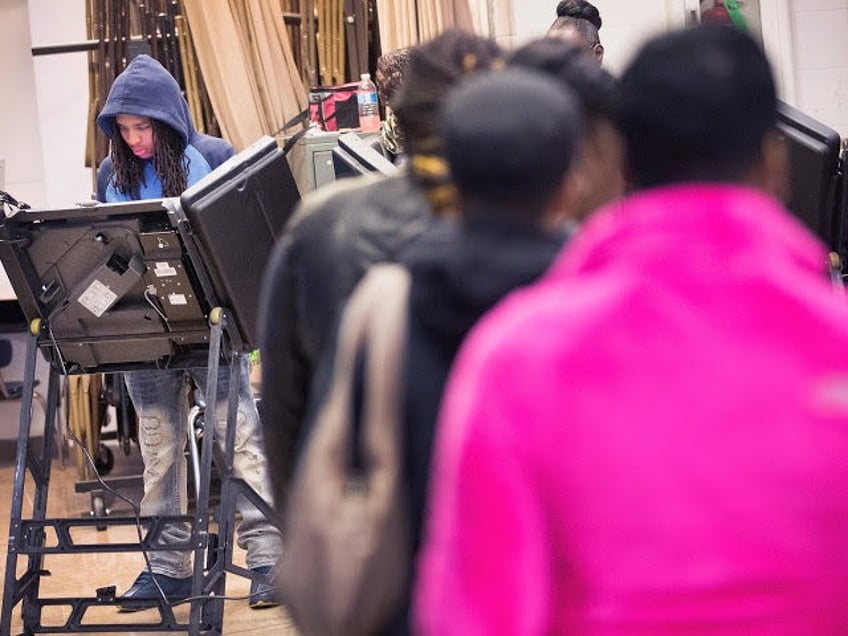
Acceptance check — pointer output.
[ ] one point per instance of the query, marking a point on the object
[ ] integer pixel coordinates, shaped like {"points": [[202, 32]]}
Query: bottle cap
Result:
{"points": [[365, 76]]}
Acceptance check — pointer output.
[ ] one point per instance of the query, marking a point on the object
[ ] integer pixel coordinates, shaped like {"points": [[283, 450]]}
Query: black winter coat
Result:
{"points": [[458, 274], [333, 238]]}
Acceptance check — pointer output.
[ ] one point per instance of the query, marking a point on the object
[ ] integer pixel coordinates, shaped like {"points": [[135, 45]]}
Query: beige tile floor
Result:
{"points": [[80, 574]]}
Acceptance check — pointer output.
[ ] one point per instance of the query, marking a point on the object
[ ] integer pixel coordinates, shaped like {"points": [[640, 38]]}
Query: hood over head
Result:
{"points": [[461, 271], [146, 89]]}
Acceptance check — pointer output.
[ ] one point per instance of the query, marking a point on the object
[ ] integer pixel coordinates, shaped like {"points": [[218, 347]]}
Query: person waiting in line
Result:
{"points": [[342, 229], [511, 228], [597, 176], [512, 225], [147, 121], [653, 439], [578, 22], [391, 68]]}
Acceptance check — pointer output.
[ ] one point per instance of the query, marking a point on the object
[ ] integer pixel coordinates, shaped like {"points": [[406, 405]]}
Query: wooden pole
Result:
{"points": [[339, 74]]}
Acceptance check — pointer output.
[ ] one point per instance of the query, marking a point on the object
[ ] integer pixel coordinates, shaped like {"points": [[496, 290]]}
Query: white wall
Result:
{"points": [[44, 105], [20, 136], [62, 91], [43, 110], [819, 29], [628, 24]]}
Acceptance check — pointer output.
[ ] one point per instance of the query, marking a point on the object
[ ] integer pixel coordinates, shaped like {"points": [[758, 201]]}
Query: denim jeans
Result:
{"points": [[160, 399]]}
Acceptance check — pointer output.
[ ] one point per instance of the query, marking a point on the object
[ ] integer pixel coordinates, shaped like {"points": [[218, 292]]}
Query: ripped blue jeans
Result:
{"points": [[160, 399]]}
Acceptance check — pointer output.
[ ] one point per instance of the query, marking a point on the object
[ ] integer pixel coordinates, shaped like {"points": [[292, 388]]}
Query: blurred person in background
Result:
{"points": [[339, 231], [653, 439], [597, 176], [391, 68], [511, 228], [578, 22]]}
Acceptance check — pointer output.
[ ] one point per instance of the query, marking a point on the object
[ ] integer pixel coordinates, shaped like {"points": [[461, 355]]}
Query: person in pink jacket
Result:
{"points": [[653, 438]]}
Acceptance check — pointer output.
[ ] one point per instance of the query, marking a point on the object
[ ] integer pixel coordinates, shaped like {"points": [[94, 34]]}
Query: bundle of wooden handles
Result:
{"points": [[246, 59], [330, 41], [407, 22]]}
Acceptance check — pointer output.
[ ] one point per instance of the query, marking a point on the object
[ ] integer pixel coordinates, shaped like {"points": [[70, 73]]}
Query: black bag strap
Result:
{"points": [[294, 121], [350, 529], [326, 120], [342, 88], [357, 460], [376, 324]]}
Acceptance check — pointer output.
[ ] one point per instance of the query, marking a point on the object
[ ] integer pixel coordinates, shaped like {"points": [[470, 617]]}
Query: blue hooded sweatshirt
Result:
{"points": [[147, 89]]}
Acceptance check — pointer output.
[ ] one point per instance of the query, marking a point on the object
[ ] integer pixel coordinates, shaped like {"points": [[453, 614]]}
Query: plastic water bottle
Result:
{"points": [[369, 109]]}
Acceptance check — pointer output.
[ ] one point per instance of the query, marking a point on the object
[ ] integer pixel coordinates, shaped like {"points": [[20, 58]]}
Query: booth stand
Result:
{"points": [[120, 287]]}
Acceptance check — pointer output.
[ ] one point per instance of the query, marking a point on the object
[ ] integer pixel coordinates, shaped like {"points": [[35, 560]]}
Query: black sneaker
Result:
{"points": [[144, 594], [262, 592]]}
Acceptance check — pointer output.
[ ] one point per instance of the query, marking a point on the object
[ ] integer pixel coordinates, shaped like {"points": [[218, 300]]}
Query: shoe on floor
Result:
{"points": [[144, 594], [262, 592]]}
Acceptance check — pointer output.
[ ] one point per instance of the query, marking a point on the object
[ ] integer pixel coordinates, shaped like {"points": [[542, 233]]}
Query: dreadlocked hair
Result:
{"points": [[434, 68], [169, 163]]}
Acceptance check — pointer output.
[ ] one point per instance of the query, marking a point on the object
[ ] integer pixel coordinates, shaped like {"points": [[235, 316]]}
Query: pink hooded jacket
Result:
{"points": [[653, 439]]}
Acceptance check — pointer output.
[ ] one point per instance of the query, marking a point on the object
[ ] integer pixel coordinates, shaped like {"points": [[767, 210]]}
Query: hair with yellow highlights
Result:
{"points": [[434, 68]]}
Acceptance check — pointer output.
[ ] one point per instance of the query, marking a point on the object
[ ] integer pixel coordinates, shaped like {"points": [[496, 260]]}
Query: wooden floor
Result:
{"points": [[80, 575]]}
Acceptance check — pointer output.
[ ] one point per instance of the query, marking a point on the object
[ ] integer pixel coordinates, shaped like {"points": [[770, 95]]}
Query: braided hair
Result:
{"points": [[169, 162], [434, 68]]}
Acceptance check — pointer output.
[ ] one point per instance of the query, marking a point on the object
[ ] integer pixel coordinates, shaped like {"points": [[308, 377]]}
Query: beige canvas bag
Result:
{"points": [[346, 532]]}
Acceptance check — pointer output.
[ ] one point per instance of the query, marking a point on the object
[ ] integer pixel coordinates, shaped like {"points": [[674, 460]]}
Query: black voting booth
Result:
{"points": [[169, 283], [817, 187], [354, 156]]}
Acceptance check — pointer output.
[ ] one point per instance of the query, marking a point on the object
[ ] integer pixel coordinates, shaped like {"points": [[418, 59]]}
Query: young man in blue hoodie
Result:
{"points": [[156, 152]]}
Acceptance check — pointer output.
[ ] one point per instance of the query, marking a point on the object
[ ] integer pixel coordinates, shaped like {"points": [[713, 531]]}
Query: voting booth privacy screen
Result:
{"points": [[130, 285], [816, 172]]}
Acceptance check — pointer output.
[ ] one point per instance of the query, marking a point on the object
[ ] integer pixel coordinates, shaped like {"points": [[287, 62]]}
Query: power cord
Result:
{"points": [[152, 300], [136, 509], [56, 348]]}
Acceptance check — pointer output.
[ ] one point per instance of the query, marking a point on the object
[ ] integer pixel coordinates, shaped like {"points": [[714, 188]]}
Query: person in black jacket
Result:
{"points": [[512, 227], [513, 223], [339, 231], [510, 230]]}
